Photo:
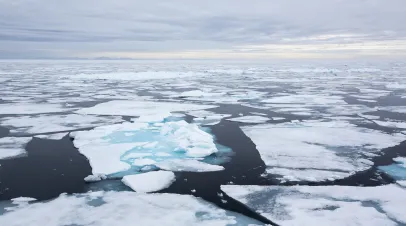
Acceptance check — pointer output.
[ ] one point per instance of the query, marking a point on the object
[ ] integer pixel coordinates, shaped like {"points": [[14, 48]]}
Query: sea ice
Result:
{"points": [[207, 117], [124, 209], [13, 146], [396, 170], [138, 108], [55, 123], [324, 205], [30, 108], [293, 150], [250, 119], [150, 181], [128, 76], [188, 165], [118, 148], [306, 99], [54, 136], [393, 124]]}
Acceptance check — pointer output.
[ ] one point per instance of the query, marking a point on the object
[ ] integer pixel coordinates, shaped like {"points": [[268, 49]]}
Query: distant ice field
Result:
{"points": [[187, 128]]}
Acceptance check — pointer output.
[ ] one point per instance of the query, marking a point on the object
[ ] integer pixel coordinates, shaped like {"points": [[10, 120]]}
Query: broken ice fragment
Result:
{"points": [[149, 182]]}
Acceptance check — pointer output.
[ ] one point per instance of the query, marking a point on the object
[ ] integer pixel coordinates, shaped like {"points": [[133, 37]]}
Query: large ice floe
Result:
{"points": [[124, 209], [138, 108], [317, 150], [55, 123], [147, 142], [13, 146], [325, 205]]}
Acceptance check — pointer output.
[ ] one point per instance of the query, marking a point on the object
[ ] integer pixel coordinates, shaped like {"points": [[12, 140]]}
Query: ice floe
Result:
{"points": [[150, 181], [54, 123], [305, 99], [117, 148], [13, 146], [324, 205], [250, 119], [53, 136], [315, 150], [128, 76], [124, 209], [393, 124], [396, 170], [189, 165], [207, 117], [30, 108], [138, 108]]}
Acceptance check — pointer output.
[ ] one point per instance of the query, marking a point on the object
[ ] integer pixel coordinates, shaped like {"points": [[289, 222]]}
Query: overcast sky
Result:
{"points": [[203, 29]]}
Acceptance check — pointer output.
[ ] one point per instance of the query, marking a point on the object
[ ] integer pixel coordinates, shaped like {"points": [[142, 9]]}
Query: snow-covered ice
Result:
{"points": [[54, 123], [250, 119], [305, 99], [30, 108], [150, 181], [138, 108], [13, 146], [53, 136], [128, 76], [324, 205], [189, 165], [393, 124], [207, 117], [294, 150], [124, 209], [118, 148]]}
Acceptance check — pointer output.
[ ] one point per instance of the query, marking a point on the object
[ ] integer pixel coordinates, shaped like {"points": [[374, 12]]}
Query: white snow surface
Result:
{"points": [[250, 119], [115, 148], [55, 123], [150, 181], [188, 165], [53, 136], [324, 205], [138, 108], [393, 124], [30, 108], [295, 149], [124, 209], [128, 76], [13, 146]]}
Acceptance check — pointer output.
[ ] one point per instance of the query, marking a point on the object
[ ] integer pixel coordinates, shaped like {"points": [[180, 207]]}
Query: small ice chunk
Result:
{"points": [[13, 146], [188, 165], [278, 118], [149, 182], [23, 199], [93, 178], [250, 119]]}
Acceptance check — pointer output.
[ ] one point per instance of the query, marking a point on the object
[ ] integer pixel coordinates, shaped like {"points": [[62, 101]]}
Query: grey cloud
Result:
{"points": [[79, 26]]}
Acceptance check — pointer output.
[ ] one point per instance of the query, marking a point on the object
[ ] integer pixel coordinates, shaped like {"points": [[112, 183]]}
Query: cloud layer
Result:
{"points": [[202, 29]]}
